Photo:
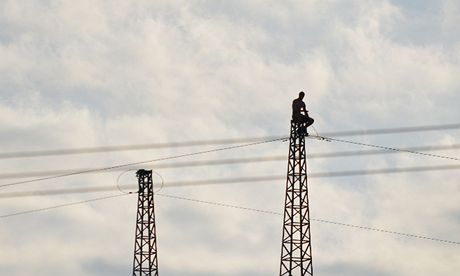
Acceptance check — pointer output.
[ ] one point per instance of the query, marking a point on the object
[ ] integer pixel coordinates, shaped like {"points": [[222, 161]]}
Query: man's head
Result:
{"points": [[301, 95]]}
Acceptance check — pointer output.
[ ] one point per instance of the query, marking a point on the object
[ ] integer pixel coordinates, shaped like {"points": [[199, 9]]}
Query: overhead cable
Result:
{"points": [[250, 179], [60, 206], [325, 138], [31, 211], [228, 161], [313, 219], [142, 162], [85, 150], [217, 150]]}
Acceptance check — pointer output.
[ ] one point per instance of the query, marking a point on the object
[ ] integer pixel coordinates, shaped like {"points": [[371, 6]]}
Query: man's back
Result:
{"points": [[297, 106]]}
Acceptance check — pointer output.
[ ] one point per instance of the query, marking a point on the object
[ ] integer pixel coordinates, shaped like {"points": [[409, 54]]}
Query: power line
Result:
{"points": [[250, 179], [310, 175], [72, 151], [230, 161], [85, 150], [141, 162], [381, 151], [215, 162], [313, 219], [217, 150], [383, 147], [233, 207], [392, 130], [60, 206], [67, 191]]}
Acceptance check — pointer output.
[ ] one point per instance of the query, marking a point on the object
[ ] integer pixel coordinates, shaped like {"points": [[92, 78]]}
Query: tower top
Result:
{"points": [[142, 172]]}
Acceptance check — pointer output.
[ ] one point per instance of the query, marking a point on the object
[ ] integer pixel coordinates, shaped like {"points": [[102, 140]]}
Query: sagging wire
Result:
{"points": [[329, 139]]}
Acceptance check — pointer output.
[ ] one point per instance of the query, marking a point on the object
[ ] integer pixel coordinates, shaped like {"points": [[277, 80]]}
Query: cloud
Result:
{"points": [[113, 72]]}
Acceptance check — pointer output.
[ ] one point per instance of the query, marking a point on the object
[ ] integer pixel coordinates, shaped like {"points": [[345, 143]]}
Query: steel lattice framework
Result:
{"points": [[296, 258], [145, 246]]}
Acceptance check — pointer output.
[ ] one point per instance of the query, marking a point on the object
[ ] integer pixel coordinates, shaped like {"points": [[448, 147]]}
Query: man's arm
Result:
{"points": [[304, 108]]}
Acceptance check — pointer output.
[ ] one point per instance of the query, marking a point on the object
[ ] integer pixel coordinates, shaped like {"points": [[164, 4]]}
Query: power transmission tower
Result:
{"points": [[296, 258], [145, 246]]}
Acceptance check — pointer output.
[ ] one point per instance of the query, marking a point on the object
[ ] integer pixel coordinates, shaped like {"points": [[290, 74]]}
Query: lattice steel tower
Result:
{"points": [[296, 258], [145, 246]]}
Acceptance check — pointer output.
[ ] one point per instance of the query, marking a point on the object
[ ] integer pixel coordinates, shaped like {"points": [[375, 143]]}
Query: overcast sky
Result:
{"points": [[94, 73]]}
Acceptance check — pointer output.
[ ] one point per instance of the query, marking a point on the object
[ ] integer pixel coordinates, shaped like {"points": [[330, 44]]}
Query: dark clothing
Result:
{"points": [[308, 121], [298, 106]]}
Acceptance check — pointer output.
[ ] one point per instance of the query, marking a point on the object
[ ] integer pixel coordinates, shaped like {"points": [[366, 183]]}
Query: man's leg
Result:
{"points": [[303, 120], [309, 121]]}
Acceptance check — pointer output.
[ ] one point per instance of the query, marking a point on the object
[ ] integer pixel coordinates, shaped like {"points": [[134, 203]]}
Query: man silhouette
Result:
{"points": [[300, 114]]}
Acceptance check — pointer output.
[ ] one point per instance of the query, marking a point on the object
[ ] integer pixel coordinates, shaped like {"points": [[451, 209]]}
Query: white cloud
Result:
{"points": [[113, 72]]}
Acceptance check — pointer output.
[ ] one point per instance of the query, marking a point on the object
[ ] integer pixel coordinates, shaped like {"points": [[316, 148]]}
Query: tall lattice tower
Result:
{"points": [[145, 246], [296, 258]]}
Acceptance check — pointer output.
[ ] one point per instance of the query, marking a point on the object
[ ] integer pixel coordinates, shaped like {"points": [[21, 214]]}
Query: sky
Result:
{"points": [[96, 73]]}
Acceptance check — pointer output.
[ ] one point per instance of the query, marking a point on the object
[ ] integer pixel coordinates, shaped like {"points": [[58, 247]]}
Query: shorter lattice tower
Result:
{"points": [[296, 258], [145, 246]]}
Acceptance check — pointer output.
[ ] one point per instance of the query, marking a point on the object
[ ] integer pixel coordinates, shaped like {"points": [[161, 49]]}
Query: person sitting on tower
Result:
{"points": [[300, 114]]}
